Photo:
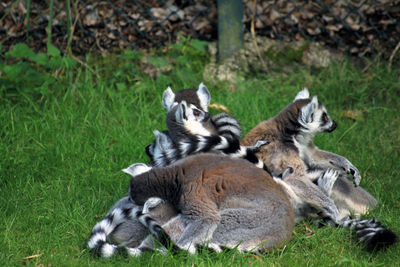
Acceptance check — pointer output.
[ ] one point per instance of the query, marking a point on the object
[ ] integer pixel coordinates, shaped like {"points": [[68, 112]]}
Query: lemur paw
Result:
{"points": [[258, 145], [151, 203], [351, 169], [134, 252], [357, 177], [190, 247], [215, 247], [328, 179]]}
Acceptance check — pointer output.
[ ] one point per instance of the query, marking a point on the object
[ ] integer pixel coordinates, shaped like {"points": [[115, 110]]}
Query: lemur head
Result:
{"points": [[303, 119], [189, 117], [188, 112], [313, 116], [199, 98]]}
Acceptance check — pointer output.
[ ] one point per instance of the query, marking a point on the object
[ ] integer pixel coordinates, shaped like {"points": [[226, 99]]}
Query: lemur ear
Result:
{"points": [[204, 96], [162, 142], [168, 98], [303, 94], [180, 113], [314, 102], [307, 111], [136, 169]]}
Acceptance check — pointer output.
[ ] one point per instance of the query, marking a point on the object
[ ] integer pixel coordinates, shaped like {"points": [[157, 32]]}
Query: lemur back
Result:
{"points": [[235, 204]]}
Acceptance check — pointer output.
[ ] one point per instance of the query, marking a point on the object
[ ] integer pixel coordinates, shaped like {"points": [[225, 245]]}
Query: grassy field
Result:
{"points": [[68, 128]]}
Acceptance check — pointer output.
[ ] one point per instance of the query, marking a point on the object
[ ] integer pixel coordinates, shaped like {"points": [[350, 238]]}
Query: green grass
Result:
{"points": [[67, 131]]}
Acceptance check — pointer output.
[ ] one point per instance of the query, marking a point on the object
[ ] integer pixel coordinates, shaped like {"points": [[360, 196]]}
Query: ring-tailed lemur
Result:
{"points": [[371, 232], [313, 201], [234, 204], [193, 132], [221, 201], [291, 133], [186, 142]]}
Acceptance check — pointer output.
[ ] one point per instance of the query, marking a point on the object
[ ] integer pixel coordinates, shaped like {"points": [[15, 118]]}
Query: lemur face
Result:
{"points": [[189, 112], [194, 120], [313, 117]]}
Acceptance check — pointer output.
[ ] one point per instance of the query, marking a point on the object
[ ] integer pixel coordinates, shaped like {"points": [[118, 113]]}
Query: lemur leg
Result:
{"points": [[314, 197], [328, 179], [197, 232], [328, 160]]}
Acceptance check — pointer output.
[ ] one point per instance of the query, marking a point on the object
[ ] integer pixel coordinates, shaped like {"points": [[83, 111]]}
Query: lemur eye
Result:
{"points": [[325, 117], [196, 112]]}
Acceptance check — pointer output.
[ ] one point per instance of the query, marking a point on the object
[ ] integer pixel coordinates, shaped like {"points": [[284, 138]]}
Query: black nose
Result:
{"points": [[333, 127], [206, 116]]}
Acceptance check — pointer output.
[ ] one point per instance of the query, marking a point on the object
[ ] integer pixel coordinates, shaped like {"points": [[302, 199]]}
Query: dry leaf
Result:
{"points": [[353, 114], [32, 257]]}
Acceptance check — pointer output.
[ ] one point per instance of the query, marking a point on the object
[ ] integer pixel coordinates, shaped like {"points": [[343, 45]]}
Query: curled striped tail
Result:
{"points": [[155, 229], [98, 243], [371, 233], [227, 126], [166, 152]]}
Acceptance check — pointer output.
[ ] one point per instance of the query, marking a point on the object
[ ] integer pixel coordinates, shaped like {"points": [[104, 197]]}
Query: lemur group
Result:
{"points": [[207, 187]]}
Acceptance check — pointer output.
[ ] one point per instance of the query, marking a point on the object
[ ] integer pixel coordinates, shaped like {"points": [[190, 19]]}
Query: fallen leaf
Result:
{"points": [[32, 257]]}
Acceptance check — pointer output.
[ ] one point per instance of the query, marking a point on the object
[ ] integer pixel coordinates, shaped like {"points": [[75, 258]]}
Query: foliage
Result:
{"points": [[32, 75], [68, 129]]}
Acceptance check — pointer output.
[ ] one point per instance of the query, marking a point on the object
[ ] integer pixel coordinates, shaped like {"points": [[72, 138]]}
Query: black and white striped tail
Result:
{"points": [[98, 239], [227, 126], [165, 152], [193, 144], [371, 233]]}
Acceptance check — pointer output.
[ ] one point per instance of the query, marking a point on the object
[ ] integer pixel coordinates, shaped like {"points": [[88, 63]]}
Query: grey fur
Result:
{"points": [[126, 230], [243, 218], [222, 201], [168, 147], [291, 133]]}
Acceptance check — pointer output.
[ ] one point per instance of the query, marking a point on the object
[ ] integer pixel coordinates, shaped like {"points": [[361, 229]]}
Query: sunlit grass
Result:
{"points": [[63, 147]]}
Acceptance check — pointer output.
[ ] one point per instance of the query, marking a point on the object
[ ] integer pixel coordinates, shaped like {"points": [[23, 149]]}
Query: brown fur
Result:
{"points": [[205, 187], [280, 153], [189, 95]]}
